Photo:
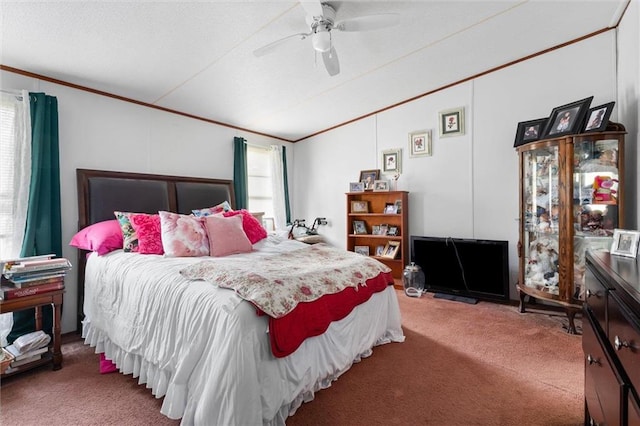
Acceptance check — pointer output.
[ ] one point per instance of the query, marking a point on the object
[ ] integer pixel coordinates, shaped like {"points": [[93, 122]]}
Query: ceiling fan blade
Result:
{"points": [[312, 7], [273, 45], [368, 22], [331, 62]]}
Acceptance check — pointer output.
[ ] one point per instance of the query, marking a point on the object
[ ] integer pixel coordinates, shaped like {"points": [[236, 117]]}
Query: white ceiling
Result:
{"points": [[197, 57]]}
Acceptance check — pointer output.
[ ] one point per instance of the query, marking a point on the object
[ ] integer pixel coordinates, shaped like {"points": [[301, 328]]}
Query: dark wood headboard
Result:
{"points": [[102, 192]]}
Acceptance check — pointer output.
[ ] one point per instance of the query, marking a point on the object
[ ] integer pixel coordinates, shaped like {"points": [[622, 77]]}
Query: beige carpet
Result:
{"points": [[461, 364]]}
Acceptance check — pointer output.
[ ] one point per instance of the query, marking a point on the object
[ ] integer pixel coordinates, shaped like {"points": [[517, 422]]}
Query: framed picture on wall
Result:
{"points": [[451, 122], [391, 159], [420, 143]]}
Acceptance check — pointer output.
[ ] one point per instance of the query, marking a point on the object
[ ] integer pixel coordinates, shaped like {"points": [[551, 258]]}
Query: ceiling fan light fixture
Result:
{"points": [[321, 39]]}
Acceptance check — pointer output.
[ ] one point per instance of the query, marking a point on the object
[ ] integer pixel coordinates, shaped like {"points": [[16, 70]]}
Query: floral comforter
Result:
{"points": [[276, 285]]}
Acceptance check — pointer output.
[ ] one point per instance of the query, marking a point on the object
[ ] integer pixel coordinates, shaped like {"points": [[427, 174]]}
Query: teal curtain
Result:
{"points": [[240, 179], [285, 179], [43, 232]]}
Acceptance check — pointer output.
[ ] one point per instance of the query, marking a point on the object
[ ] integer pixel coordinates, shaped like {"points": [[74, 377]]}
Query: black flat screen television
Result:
{"points": [[477, 269]]}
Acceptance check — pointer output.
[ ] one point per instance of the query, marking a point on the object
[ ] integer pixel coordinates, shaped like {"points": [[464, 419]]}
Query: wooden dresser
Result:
{"points": [[611, 340]]}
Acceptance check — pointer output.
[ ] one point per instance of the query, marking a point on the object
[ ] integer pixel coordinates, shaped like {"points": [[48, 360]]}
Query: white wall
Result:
{"points": [[627, 105], [469, 187], [98, 132]]}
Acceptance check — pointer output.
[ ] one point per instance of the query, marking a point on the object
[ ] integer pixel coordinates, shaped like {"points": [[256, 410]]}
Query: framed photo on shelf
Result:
{"points": [[380, 186], [393, 231], [379, 250], [529, 131], [391, 159], [359, 206], [359, 227], [567, 119], [398, 205], [625, 243], [363, 250], [375, 230], [451, 122], [384, 229], [390, 208], [420, 143], [598, 118], [368, 177], [356, 187], [391, 249]]}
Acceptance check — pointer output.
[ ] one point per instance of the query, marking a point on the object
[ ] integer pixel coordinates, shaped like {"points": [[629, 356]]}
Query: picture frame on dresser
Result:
{"points": [[598, 118], [529, 131], [381, 185], [567, 119], [391, 249], [359, 227], [625, 243], [356, 186], [359, 206], [368, 177], [390, 208], [363, 250]]}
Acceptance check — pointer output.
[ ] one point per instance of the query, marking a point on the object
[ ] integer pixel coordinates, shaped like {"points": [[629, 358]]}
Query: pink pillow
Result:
{"points": [[226, 235], [183, 235], [252, 226], [147, 228], [101, 237]]}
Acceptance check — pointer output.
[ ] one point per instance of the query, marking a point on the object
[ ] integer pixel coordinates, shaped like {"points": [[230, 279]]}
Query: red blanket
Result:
{"points": [[313, 318]]}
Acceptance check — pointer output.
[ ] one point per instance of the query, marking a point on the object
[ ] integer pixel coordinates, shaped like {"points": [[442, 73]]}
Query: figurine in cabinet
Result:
{"points": [[542, 267]]}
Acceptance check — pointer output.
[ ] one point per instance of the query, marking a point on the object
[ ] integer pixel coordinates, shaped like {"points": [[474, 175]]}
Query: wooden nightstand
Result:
{"points": [[37, 301]]}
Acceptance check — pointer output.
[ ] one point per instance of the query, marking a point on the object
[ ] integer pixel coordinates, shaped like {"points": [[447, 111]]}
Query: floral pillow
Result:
{"points": [[101, 237], [183, 235], [220, 208], [252, 226], [130, 238], [226, 235], [147, 228]]}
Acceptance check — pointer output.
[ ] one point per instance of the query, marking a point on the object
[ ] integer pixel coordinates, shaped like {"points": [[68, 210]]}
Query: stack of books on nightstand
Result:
{"points": [[32, 275]]}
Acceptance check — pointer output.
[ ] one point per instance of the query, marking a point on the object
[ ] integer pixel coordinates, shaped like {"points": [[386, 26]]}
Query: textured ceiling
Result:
{"points": [[197, 57]]}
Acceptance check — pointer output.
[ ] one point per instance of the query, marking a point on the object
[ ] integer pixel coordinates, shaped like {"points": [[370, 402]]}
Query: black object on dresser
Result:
{"points": [[611, 340]]}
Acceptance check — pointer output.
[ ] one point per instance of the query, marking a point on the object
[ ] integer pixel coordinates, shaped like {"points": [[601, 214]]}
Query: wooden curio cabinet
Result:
{"points": [[571, 200]]}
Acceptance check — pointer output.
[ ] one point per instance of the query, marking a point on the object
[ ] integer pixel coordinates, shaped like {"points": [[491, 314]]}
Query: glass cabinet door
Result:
{"points": [[595, 200], [541, 217]]}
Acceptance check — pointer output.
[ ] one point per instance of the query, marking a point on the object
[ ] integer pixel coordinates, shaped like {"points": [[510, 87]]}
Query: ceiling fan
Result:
{"points": [[321, 19]]}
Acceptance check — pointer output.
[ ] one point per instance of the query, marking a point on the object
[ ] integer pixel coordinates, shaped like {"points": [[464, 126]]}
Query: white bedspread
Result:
{"points": [[206, 351]]}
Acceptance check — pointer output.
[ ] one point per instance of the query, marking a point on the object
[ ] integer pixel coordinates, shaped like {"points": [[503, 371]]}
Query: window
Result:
{"points": [[260, 186], [7, 173], [15, 170]]}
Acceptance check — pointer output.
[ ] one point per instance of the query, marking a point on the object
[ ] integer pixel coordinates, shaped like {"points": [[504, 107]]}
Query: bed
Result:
{"points": [[205, 342]]}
